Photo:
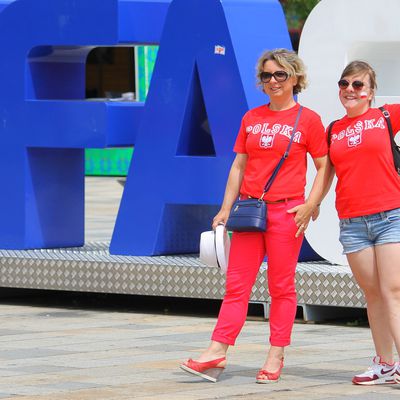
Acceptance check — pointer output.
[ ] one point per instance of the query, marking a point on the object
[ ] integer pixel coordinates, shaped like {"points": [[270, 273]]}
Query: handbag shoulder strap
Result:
{"points": [[393, 144], [329, 136], [284, 157], [386, 114]]}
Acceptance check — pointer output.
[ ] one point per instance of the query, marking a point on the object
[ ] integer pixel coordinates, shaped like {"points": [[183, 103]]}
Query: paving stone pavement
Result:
{"points": [[53, 353], [80, 354]]}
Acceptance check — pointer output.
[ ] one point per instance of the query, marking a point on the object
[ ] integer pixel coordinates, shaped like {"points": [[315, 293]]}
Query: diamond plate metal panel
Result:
{"points": [[92, 269]]}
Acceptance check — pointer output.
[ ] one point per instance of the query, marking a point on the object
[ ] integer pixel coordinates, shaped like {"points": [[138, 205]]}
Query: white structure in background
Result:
{"points": [[336, 33]]}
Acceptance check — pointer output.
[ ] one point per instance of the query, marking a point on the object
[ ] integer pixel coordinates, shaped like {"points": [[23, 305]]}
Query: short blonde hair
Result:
{"points": [[289, 61]]}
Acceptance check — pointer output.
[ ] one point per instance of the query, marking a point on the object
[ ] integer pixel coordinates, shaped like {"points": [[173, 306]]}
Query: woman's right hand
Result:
{"points": [[220, 218], [232, 189]]}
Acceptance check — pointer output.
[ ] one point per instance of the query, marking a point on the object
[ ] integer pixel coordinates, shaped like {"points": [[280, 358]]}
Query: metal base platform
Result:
{"points": [[320, 286]]}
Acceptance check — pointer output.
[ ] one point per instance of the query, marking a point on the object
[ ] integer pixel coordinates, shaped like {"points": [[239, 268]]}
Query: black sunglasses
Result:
{"points": [[279, 76], [344, 84]]}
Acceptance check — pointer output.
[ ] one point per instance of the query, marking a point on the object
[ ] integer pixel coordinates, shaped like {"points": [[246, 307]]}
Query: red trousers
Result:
{"points": [[247, 253]]}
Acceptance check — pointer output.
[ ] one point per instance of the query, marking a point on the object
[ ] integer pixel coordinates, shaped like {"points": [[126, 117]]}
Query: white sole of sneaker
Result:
{"points": [[382, 381]]}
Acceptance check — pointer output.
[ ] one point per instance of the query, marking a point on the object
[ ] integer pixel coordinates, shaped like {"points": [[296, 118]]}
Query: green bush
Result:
{"points": [[296, 11]]}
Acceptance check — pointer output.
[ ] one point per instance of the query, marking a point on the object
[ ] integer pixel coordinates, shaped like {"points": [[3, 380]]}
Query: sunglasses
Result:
{"points": [[344, 84], [279, 76]]}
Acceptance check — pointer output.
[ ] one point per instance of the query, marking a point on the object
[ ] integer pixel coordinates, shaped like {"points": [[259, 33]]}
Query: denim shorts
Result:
{"points": [[371, 230]]}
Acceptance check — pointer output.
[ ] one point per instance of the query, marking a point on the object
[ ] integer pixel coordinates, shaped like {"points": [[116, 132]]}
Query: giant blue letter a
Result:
{"points": [[196, 100]]}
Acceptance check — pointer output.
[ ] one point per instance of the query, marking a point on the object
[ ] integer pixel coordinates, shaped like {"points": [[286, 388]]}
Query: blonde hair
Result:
{"points": [[289, 61]]}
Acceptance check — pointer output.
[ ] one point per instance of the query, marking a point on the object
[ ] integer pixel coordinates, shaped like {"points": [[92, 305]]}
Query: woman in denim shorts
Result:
{"points": [[368, 204]]}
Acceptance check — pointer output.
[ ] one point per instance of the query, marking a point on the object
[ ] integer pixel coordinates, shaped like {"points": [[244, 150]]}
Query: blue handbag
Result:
{"points": [[250, 215]]}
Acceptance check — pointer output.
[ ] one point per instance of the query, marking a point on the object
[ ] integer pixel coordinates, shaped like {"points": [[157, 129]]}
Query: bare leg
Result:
{"points": [[215, 350], [364, 267], [388, 265], [273, 361]]}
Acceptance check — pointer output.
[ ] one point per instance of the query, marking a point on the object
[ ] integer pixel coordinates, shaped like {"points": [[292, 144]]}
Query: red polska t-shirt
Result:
{"points": [[361, 152], [264, 136]]}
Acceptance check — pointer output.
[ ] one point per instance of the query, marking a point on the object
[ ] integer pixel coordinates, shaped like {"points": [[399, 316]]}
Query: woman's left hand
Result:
{"points": [[302, 218]]}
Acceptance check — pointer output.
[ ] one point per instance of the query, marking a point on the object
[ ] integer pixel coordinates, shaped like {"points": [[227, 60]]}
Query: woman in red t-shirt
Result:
{"points": [[262, 140], [368, 201]]}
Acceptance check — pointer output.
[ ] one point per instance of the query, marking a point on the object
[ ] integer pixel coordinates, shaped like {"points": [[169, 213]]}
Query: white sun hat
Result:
{"points": [[214, 248]]}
